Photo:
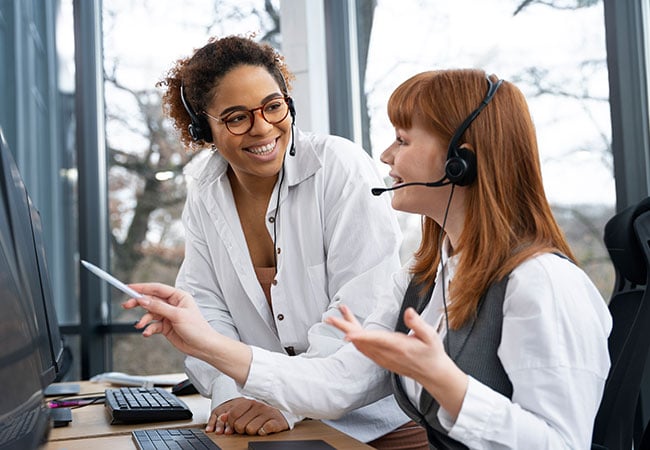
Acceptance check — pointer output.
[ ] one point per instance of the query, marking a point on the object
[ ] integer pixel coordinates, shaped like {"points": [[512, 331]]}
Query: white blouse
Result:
{"points": [[335, 241], [553, 348]]}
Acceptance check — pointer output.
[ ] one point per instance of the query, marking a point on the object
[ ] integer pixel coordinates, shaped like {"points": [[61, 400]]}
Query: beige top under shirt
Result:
{"points": [[266, 275]]}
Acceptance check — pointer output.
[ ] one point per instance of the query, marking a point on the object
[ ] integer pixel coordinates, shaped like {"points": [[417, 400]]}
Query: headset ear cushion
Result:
{"points": [[200, 131], [461, 169], [194, 131], [206, 131]]}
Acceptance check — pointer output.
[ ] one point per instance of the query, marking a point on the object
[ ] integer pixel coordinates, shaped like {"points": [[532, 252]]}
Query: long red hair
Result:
{"points": [[508, 218]]}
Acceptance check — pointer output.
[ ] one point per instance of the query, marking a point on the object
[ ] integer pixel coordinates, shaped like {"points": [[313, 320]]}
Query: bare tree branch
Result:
{"points": [[556, 4]]}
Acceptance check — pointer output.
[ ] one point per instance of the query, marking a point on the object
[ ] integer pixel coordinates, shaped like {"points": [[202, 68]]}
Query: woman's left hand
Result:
{"points": [[246, 416], [419, 355], [414, 355]]}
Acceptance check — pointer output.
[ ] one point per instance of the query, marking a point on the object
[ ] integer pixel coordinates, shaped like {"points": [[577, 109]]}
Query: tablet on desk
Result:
{"points": [[58, 389], [123, 379], [305, 444]]}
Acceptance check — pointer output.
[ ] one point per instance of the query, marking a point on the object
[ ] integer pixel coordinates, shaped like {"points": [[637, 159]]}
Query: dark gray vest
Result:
{"points": [[473, 348]]}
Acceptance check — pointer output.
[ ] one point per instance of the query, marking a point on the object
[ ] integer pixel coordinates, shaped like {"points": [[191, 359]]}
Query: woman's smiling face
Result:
{"points": [[260, 151], [416, 155]]}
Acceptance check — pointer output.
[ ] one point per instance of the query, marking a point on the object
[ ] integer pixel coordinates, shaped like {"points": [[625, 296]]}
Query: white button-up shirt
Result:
{"points": [[335, 243], [553, 348]]}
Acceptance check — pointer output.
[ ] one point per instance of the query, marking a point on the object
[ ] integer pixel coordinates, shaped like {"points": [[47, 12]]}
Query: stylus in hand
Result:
{"points": [[111, 279]]}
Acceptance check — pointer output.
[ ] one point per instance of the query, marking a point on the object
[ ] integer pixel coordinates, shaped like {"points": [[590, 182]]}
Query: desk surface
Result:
{"points": [[90, 428], [307, 429]]}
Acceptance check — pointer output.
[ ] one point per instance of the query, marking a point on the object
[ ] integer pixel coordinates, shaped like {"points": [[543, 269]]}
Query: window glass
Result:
{"points": [[645, 8], [554, 51], [146, 187], [65, 282]]}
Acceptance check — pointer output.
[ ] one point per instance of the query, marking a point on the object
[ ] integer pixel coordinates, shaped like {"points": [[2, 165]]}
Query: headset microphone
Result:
{"points": [[439, 183], [292, 107], [292, 111]]}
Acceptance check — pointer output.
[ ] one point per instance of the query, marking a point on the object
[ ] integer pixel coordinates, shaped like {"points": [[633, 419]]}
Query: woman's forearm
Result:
{"points": [[229, 356], [174, 314]]}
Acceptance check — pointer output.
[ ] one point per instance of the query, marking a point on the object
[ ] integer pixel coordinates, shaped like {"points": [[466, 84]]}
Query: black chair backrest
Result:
{"points": [[627, 238]]}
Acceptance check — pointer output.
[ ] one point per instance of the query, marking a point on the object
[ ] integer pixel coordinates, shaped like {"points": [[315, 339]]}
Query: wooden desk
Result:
{"points": [[91, 429], [307, 429]]}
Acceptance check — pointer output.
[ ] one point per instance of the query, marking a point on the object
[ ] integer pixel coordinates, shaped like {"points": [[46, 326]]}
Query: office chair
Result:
{"points": [[627, 238]]}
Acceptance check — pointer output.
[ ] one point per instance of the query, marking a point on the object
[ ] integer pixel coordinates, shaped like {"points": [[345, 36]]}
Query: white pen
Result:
{"points": [[111, 279]]}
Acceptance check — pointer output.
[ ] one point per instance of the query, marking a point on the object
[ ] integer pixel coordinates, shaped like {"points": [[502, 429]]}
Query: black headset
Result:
{"points": [[292, 111], [460, 168], [199, 129]]}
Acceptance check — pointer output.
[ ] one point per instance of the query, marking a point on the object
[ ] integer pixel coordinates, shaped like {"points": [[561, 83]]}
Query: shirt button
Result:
{"points": [[280, 316], [271, 219], [274, 282], [279, 250]]}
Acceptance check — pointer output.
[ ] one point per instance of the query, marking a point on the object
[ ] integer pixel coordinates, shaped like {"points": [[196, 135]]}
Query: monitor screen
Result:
{"points": [[24, 419], [29, 256], [56, 345]]}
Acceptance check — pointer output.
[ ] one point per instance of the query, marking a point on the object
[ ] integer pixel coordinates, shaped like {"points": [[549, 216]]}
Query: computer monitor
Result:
{"points": [[56, 344], [25, 230], [24, 418]]}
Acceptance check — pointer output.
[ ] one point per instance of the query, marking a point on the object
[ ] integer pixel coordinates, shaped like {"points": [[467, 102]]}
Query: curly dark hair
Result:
{"points": [[200, 74]]}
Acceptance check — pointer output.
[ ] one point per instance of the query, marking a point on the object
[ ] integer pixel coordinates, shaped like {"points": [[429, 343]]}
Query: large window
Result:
{"points": [[555, 52]]}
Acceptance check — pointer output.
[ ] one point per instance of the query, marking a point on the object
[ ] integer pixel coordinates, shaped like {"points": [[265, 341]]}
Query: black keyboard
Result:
{"points": [[27, 429], [184, 438], [137, 404], [18, 426]]}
